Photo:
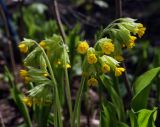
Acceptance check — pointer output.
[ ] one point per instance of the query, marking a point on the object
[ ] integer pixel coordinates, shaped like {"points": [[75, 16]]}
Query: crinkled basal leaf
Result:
{"points": [[142, 88], [31, 59]]}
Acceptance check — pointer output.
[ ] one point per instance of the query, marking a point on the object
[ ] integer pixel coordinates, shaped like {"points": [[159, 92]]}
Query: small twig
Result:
{"points": [[127, 83], [2, 122], [59, 22], [118, 8], [9, 41], [21, 18]]}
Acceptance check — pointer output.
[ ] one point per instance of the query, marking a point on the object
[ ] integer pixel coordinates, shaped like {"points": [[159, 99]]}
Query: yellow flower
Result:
{"points": [[27, 79], [92, 82], [91, 58], [107, 47], [59, 62], [118, 71], [45, 74], [131, 45], [141, 30], [132, 41], [42, 44], [82, 47], [23, 73], [27, 101], [106, 68], [68, 65], [119, 58], [23, 48]]}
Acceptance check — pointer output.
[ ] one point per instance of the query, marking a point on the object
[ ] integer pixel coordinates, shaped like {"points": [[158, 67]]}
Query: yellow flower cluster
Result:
{"points": [[82, 47], [107, 53]]}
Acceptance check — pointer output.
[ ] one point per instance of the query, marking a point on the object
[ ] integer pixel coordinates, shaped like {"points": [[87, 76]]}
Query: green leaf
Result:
{"points": [[116, 99], [147, 117], [133, 119], [143, 118], [142, 88], [121, 124], [107, 114]]}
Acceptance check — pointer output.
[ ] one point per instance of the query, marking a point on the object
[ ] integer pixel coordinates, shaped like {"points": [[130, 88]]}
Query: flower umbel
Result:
{"points": [[23, 48], [119, 71], [91, 58], [92, 82], [82, 47]]}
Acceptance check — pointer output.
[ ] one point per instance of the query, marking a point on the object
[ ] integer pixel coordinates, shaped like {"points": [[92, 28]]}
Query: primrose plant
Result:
{"points": [[46, 74]]}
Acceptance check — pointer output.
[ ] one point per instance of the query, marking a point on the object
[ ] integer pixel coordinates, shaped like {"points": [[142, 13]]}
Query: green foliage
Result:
{"points": [[143, 118], [142, 88]]}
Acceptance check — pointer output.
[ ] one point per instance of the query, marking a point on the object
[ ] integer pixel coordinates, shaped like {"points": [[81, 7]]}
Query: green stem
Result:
{"points": [[68, 92], [77, 103], [58, 106]]}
